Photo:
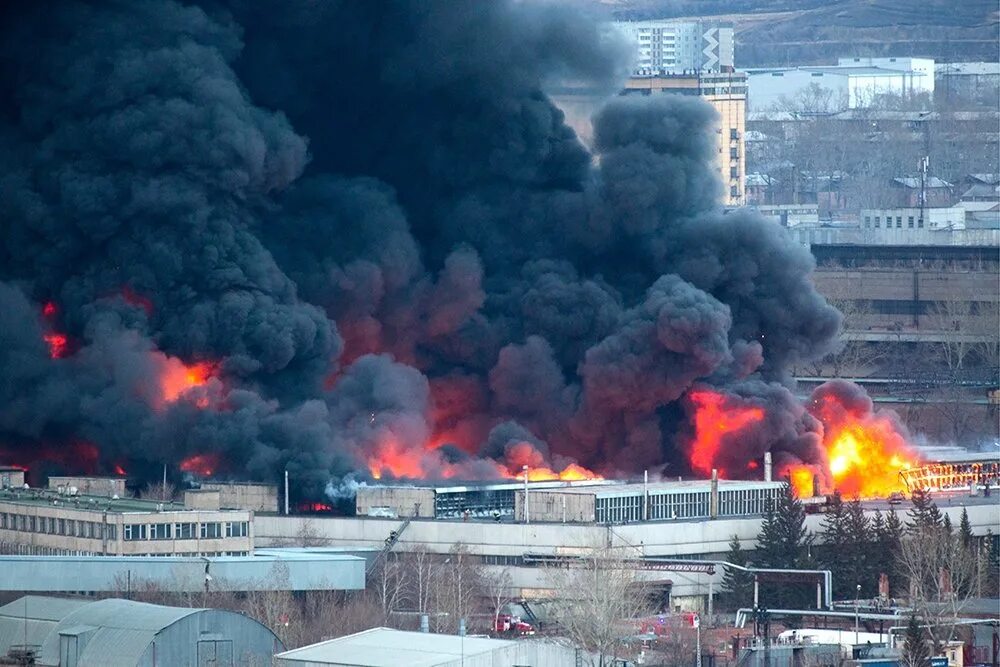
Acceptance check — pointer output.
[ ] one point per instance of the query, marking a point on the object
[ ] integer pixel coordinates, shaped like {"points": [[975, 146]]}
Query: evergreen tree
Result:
{"points": [[857, 549], [833, 554], [737, 585], [924, 515], [783, 543], [915, 653], [946, 525], [965, 535]]}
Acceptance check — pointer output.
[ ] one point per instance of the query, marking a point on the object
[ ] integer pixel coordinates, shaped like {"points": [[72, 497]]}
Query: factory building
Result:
{"points": [[60, 632], [244, 495], [426, 501], [662, 501], [65, 521], [383, 647]]}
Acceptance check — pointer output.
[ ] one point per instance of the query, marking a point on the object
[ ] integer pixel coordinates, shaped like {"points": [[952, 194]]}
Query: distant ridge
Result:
{"points": [[782, 32]]}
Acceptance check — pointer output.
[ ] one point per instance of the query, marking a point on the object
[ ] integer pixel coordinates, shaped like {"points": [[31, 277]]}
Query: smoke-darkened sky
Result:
{"points": [[380, 234]]}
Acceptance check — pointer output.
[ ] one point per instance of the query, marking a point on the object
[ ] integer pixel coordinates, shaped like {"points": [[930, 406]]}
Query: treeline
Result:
{"points": [[925, 557]]}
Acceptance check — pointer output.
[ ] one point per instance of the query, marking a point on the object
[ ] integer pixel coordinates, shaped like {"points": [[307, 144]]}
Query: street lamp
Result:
{"points": [[857, 615], [525, 469]]}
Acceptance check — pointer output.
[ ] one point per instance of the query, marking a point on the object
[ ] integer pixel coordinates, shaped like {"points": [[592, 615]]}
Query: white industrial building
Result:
{"points": [[838, 87], [679, 46], [384, 647]]}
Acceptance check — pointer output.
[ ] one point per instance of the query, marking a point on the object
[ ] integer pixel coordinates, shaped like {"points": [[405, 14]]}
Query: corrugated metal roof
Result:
{"points": [[384, 647], [42, 607], [123, 631]]}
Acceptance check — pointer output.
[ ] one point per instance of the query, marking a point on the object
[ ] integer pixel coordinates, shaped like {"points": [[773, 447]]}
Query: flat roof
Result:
{"points": [[384, 647], [512, 485], [89, 503], [681, 486]]}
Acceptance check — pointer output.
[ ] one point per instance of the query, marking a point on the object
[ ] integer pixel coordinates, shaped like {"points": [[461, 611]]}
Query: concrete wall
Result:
{"points": [[256, 497], [404, 501], [556, 507], [202, 499], [91, 486]]}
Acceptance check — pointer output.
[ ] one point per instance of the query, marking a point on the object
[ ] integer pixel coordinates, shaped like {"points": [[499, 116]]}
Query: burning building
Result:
{"points": [[210, 260]]}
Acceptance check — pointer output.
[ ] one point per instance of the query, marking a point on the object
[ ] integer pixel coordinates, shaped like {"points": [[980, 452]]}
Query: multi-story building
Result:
{"points": [[679, 46], [726, 91], [46, 522]]}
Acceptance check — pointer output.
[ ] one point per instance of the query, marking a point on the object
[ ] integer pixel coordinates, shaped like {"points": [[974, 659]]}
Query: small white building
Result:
{"points": [[384, 647], [921, 66], [886, 220]]}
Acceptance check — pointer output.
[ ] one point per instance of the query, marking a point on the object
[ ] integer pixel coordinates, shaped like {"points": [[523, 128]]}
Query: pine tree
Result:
{"points": [[924, 515], [965, 531], [834, 551], [946, 525], [783, 543], [857, 549], [737, 585], [915, 653]]}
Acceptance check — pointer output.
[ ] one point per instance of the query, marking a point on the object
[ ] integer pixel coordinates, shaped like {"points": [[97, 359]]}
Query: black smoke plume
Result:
{"points": [[378, 231]]}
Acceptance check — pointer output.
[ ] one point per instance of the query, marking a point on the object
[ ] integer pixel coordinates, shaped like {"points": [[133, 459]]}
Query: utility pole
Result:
{"points": [[526, 518]]}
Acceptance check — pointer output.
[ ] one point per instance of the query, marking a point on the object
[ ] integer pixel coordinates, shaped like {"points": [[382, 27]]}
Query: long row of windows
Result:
{"points": [[683, 505], [205, 530], [741, 502], [899, 221], [49, 525]]}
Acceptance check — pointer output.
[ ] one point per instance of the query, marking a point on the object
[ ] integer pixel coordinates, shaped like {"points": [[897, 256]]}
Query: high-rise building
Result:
{"points": [[679, 46], [727, 92]]}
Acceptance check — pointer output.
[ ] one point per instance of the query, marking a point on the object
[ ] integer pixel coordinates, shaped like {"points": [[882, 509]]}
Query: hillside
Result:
{"points": [[779, 32]]}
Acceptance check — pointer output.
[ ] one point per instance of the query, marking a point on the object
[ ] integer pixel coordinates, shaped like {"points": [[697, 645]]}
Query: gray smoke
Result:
{"points": [[382, 235]]}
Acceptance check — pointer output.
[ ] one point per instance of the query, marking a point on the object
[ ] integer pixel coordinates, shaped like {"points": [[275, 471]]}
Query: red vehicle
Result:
{"points": [[513, 625]]}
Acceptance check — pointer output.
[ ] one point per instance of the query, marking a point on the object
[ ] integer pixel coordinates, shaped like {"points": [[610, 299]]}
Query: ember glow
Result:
{"points": [[58, 345], [716, 418], [865, 451], [571, 473], [203, 465]]}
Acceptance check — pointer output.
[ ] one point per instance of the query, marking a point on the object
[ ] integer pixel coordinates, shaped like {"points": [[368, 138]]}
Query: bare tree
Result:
{"points": [[498, 587], [855, 357], [457, 589], [272, 603], [942, 575], [389, 583], [423, 566], [163, 492], [309, 536], [952, 319], [600, 596]]}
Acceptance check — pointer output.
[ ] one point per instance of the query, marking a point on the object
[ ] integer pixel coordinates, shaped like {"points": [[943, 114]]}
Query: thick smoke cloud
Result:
{"points": [[379, 232]]}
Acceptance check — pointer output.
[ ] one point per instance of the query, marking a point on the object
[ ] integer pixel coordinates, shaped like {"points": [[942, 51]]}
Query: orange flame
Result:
{"points": [[119, 470], [714, 420], [865, 453], [49, 309], [178, 378], [571, 473], [203, 465]]}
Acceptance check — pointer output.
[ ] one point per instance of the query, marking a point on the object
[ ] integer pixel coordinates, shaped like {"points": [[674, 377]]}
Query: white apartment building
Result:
{"points": [[679, 46]]}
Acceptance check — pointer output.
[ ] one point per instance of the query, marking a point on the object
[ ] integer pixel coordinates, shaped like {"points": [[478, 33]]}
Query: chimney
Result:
{"points": [[883, 586], [713, 496], [815, 486], [767, 466], [944, 583]]}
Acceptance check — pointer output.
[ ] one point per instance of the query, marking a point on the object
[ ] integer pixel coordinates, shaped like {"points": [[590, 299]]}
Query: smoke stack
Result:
{"points": [[815, 485], [944, 583], [713, 497], [767, 466], [883, 586], [645, 495]]}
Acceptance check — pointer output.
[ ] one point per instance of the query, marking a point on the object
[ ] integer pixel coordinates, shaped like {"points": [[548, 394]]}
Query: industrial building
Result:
{"points": [[59, 632], [244, 495], [383, 647], [631, 503], [429, 501], [65, 521], [679, 46], [726, 91], [847, 85], [340, 569]]}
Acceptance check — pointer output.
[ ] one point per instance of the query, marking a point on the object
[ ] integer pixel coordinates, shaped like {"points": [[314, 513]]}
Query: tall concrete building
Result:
{"points": [[726, 91], [679, 46]]}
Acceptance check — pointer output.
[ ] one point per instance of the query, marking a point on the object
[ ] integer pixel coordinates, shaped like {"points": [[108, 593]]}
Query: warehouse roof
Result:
{"points": [[384, 647], [676, 486], [28, 620]]}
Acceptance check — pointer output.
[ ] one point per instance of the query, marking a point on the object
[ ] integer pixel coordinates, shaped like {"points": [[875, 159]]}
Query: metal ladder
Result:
{"points": [[390, 542]]}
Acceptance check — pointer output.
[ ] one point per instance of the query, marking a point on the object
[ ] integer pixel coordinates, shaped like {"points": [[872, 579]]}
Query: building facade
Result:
{"points": [[679, 46], [828, 89], [51, 523], [727, 93]]}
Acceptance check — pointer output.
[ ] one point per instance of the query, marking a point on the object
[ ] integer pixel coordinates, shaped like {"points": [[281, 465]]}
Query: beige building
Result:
{"points": [[47, 522], [245, 495], [727, 93]]}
